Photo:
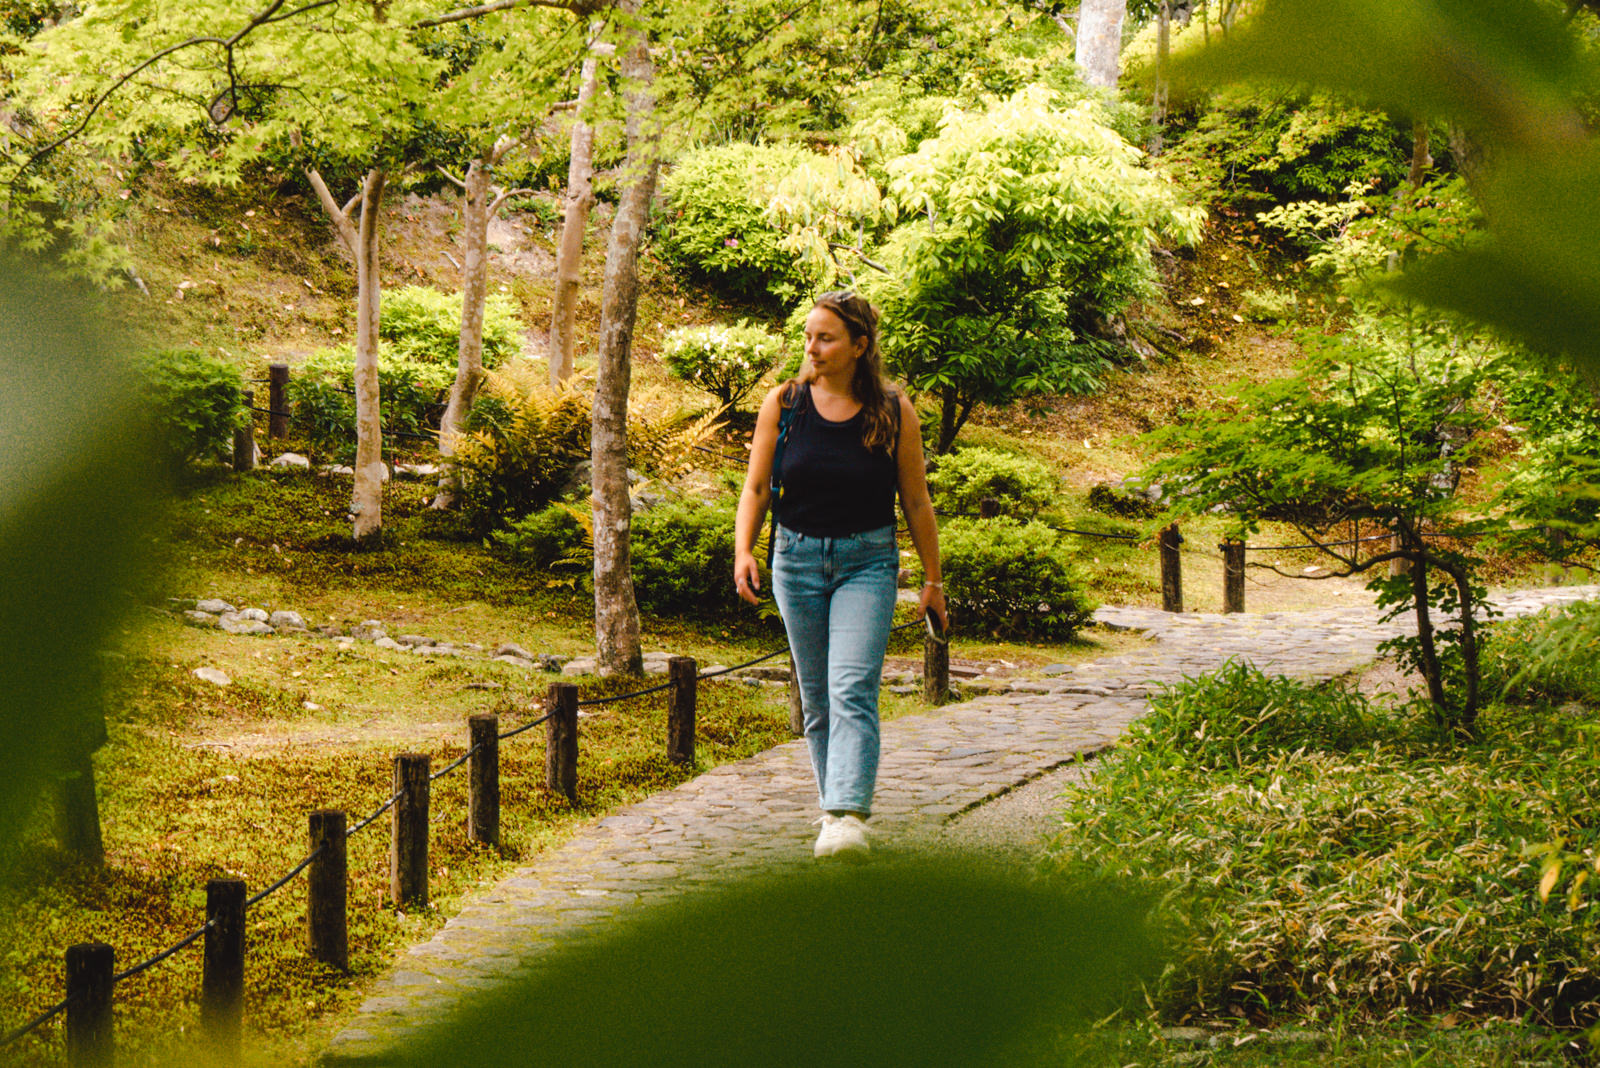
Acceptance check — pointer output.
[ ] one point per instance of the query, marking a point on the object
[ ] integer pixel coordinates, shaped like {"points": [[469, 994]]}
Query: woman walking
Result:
{"points": [[838, 446]]}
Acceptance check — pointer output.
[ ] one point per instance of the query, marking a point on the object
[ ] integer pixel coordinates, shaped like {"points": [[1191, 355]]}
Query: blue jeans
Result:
{"points": [[837, 598]]}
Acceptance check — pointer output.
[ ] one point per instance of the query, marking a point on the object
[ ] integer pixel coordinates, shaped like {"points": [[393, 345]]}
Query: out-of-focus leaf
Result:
{"points": [[898, 962], [1506, 69], [76, 478], [1536, 274]]}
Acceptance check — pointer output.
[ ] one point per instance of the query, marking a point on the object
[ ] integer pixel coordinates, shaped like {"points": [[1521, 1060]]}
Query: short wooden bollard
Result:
{"points": [[278, 400], [1232, 576], [561, 740], [483, 779], [327, 890], [222, 982], [244, 437], [935, 670], [684, 673], [1171, 569], [988, 507], [91, 1031], [408, 843], [797, 706]]}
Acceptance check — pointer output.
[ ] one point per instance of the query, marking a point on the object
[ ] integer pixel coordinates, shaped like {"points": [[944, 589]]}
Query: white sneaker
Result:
{"points": [[842, 834]]}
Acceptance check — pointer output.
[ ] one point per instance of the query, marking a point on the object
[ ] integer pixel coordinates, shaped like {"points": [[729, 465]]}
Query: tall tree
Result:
{"points": [[616, 613], [574, 221], [1099, 41]]}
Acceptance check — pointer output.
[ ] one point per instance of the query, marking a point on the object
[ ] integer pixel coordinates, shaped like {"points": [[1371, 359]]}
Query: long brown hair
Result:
{"points": [[879, 404]]}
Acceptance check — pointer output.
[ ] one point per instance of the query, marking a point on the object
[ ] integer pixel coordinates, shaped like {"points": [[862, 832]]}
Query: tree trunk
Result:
{"points": [[78, 813], [616, 614], [1421, 157], [1428, 652], [949, 406], [1099, 43], [1158, 110], [569, 261], [366, 502], [469, 351], [1469, 649]]}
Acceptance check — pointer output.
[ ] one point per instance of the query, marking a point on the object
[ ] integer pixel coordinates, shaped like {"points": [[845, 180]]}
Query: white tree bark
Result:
{"points": [[616, 613], [1099, 41], [366, 501], [469, 351], [364, 241], [569, 261]]}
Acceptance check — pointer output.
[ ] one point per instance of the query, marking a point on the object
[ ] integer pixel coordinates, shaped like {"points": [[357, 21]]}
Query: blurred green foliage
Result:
{"points": [[931, 960], [195, 400]]}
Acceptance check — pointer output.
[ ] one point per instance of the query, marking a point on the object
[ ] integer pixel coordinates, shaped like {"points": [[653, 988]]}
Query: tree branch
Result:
{"points": [[577, 7], [880, 268], [340, 216], [453, 179], [500, 200]]}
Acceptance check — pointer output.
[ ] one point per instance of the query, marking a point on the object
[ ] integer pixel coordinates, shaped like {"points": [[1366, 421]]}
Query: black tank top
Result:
{"points": [[832, 484]]}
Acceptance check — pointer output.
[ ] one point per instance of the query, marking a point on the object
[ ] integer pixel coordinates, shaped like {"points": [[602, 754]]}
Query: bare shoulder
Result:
{"points": [[908, 413]]}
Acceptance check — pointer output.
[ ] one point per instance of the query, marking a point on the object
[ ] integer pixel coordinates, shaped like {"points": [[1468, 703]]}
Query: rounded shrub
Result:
{"points": [[411, 392], [1013, 580], [716, 230], [968, 476], [195, 401], [682, 552], [553, 534], [424, 325], [725, 361]]}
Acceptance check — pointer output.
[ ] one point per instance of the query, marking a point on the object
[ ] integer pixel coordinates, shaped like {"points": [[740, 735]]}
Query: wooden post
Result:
{"points": [[91, 1030], [483, 779], [278, 400], [1232, 576], [1171, 569], [683, 672], [561, 740], [988, 508], [327, 890], [244, 438], [222, 982], [408, 841], [797, 710], [935, 670], [78, 814]]}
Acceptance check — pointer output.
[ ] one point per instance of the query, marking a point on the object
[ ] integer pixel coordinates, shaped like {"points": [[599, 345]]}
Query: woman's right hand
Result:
{"points": [[747, 577]]}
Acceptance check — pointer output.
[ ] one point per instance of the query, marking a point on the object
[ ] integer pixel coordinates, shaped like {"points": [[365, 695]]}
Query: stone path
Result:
{"points": [[935, 766]]}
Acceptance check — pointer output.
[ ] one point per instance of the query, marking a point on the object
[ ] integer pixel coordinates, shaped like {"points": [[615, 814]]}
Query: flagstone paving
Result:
{"points": [[935, 766]]}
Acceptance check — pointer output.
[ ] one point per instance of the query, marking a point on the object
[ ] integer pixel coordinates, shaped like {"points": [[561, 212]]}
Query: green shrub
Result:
{"points": [[682, 553], [544, 538], [716, 230], [196, 401], [968, 476], [411, 393], [1549, 655], [424, 325], [1013, 580], [725, 361], [1312, 872], [1268, 305]]}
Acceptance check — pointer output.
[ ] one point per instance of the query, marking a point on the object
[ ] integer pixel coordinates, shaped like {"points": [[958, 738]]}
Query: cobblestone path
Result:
{"points": [[934, 766]]}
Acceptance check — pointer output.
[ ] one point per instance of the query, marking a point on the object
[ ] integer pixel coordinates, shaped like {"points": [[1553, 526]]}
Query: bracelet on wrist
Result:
{"points": [[935, 585]]}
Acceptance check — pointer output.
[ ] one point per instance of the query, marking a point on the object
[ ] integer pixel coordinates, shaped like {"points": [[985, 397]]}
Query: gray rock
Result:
{"points": [[240, 625], [212, 675], [181, 604], [340, 469], [470, 647], [415, 639], [1057, 669], [257, 614], [368, 630], [213, 605], [201, 619], [903, 691], [581, 666], [516, 661], [285, 620], [390, 644], [553, 662], [513, 649], [328, 630], [291, 459], [437, 650]]}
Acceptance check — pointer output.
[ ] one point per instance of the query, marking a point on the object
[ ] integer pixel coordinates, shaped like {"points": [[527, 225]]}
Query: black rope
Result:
{"points": [[442, 772], [281, 883], [385, 807], [267, 411], [724, 455], [384, 431], [513, 732], [1058, 530], [163, 955], [626, 696], [37, 1022]]}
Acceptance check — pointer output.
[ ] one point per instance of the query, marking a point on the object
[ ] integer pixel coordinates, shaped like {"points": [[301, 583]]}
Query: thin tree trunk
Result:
{"points": [[1427, 650], [948, 406], [1099, 42], [1421, 157], [569, 261], [1469, 648], [1158, 110], [616, 613], [366, 502], [469, 351]]}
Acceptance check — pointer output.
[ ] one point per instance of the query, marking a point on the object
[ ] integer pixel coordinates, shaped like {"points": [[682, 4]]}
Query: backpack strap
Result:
{"points": [[775, 480]]}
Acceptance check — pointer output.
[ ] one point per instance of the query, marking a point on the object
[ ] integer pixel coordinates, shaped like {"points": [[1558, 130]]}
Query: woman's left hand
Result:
{"points": [[932, 600]]}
